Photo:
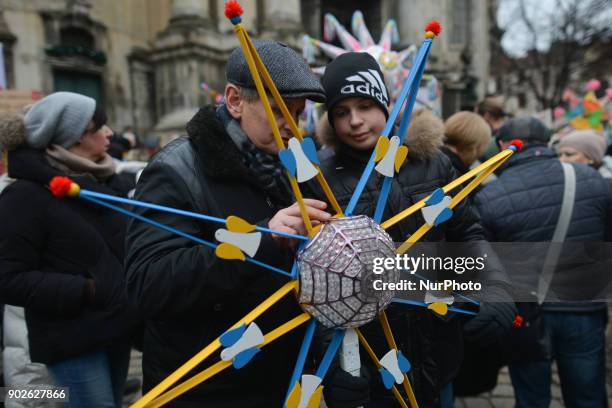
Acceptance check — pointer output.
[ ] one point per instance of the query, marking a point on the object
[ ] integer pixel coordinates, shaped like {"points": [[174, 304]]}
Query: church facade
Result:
{"points": [[146, 60]]}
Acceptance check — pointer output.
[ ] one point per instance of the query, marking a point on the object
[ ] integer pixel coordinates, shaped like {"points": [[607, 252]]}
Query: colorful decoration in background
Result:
{"points": [[309, 117], [332, 274], [395, 65], [587, 112], [217, 97]]}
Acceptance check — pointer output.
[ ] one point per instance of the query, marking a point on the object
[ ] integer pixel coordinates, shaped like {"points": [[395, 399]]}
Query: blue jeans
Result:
{"points": [[447, 396], [578, 345], [94, 380]]}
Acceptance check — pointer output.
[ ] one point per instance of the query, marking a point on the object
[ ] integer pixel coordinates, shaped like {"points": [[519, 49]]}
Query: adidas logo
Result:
{"points": [[367, 83]]}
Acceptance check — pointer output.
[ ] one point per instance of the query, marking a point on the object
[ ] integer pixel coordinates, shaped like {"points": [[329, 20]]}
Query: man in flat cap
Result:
{"points": [[226, 165], [535, 199]]}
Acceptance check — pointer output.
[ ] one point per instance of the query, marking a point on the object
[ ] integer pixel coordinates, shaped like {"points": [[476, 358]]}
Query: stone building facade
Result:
{"points": [[145, 59]]}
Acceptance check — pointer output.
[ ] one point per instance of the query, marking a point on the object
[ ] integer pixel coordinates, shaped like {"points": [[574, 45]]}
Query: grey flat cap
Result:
{"points": [[524, 128], [289, 71]]}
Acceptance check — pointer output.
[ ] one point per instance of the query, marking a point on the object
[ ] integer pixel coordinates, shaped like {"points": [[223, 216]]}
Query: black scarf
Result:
{"points": [[267, 169]]}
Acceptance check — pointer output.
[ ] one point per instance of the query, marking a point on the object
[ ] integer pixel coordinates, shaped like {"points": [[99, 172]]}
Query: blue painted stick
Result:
{"points": [[191, 214], [294, 270], [299, 365], [414, 89], [388, 128], [423, 304], [332, 349], [180, 233]]}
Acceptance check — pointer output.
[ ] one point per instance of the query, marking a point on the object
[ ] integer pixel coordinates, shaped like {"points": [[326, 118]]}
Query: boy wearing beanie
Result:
{"points": [[357, 104]]}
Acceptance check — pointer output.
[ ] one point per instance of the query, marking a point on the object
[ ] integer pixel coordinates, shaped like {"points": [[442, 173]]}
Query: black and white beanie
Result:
{"points": [[354, 74]]}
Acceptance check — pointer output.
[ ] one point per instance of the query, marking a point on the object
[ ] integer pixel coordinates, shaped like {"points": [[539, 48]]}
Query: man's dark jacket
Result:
{"points": [[190, 296], [524, 204], [433, 346]]}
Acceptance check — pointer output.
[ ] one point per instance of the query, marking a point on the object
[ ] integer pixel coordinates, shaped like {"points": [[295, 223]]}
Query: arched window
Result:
{"points": [[76, 37], [460, 17]]}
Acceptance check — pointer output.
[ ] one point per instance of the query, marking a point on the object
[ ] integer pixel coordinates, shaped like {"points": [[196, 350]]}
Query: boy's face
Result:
{"points": [[358, 122], [255, 124]]}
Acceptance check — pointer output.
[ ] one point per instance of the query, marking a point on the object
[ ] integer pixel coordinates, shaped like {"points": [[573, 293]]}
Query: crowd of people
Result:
{"points": [[83, 284]]}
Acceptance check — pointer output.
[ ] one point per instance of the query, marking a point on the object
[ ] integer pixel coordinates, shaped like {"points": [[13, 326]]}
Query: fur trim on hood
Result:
{"points": [[12, 131], [424, 139]]}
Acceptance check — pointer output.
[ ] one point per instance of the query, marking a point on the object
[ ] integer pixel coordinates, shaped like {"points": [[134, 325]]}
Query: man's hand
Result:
{"points": [[495, 317], [290, 220]]}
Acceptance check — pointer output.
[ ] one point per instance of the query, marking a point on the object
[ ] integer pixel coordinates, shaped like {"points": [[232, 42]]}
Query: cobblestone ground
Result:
{"points": [[501, 396]]}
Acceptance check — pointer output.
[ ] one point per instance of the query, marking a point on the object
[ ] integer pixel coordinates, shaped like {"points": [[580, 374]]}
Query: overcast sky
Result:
{"points": [[517, 39]]}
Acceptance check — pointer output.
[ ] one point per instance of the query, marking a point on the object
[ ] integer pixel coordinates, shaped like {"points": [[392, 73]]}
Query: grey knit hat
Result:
{"points": [[289, 71], [60, 118], [588, 142]]}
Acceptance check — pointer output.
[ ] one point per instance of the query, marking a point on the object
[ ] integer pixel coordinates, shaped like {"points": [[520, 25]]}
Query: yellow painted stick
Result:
{"points": [[244, 42], [280, 102], [402, 249], [212, 347], [392, 344], [328, 192], [190, 383], [376, 361], [294, 128], [222, 365], [456, 200], [502, 156]]}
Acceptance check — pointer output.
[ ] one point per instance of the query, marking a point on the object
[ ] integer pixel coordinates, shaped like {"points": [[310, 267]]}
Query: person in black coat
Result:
{"points": [[226, 165], [523, 205], [62, 259], [354, 123]]}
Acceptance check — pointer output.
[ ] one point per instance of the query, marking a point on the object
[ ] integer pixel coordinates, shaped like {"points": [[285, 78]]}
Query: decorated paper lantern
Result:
{"points": [[336, 273]]}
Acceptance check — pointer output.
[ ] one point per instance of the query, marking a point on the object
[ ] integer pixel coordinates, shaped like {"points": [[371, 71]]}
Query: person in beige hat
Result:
{"points": [[586, 147], [582, 146]]}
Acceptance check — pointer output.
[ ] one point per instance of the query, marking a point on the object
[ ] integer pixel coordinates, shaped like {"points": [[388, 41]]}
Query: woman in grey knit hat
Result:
{"points": [[62, 259], [586, 147]]}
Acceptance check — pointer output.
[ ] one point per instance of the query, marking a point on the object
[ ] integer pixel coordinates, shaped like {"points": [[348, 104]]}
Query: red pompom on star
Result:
{"points": [[433, 29], [518, 322], [63, 186], [233, 11], [518, 144]]}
